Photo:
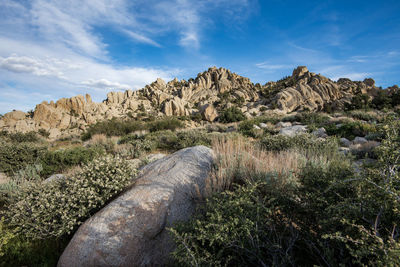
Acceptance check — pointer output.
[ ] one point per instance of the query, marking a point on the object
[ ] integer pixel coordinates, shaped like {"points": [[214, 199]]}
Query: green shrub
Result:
{"points": [[366, 116], [192, 138], [113, 127], [382, 100], [57, 161], [44, 133], [141, 145], [330, 217], [308, 118], [55, 209], [359, 101], [300, 142], [169, 123], [232, 114], [350, 130], [239, 228], [15, 156], [23, 137], [16, 250]]}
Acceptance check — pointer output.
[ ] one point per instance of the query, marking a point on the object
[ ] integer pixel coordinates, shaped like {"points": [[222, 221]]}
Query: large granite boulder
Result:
{"points": [[131, 230]]}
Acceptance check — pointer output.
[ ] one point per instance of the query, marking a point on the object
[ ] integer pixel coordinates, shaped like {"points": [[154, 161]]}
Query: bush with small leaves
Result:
{"points": [[169, 123], [57, 161], [350, 130], [55, 209], [232, 114], [15, 156]]}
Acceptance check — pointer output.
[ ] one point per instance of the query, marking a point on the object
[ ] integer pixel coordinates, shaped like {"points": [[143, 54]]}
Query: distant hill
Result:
{"points": [[206, 95]]}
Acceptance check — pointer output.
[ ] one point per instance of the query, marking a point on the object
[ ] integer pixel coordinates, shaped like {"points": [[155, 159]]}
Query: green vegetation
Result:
{"points": [[51, 211], [232, 114], [350, 130], [166, 140], [322, 214], [359, 101], [115, 127], [15, 156], [57, 161]]}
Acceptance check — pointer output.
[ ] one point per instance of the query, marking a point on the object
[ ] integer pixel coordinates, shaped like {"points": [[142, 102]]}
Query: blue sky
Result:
{"points": [[60, 48]]}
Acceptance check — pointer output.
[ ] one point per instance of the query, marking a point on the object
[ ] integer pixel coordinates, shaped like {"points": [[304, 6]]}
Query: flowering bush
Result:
{"points": [[53, 209]]}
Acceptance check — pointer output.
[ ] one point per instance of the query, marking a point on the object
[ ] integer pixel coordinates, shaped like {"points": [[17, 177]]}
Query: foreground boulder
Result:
{"points": [[130, 231]]}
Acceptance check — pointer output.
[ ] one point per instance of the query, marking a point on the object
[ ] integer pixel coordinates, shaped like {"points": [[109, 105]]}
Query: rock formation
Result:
{"points": [[131, 230], [210, 92]]}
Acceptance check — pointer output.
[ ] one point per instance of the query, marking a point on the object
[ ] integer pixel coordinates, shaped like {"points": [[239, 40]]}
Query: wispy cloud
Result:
{"points": [[268, 66], [141, 38], [105, 84]]}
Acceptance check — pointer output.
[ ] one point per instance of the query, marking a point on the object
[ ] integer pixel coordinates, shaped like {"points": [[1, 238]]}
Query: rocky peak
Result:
{"points": [[299, 72]]}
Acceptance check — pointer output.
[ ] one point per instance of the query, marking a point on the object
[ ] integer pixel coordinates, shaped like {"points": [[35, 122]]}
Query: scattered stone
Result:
{"points": [[345, 142], [293, 130], [359, 140], [344, 150], [231, 129], [321, 132], [55, 177], [256, 127], [282, 124], [131, 230], [3, 178], [263, 125]]}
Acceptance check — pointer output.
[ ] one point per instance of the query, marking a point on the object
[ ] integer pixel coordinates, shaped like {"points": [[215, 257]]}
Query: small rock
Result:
{"points": [[263, 125], [282, 124], [359, 140], [344, 150], [55, 177], [293, 130], [256, 127], [321, 132], [3, 178], [231, 129], [345, 142]]}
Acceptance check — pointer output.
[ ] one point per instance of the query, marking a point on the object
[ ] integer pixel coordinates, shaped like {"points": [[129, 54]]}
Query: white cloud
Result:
{"points": [[141, 38], [355, 76], [39, 67], [105, 84], [268, 66]]}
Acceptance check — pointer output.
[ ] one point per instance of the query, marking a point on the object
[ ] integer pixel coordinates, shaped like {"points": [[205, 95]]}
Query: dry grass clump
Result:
{"points": [[98, 139], [239, 160]]}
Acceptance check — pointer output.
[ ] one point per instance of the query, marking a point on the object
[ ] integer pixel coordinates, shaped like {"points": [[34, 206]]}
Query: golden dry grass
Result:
{"points": [[239, 159]]}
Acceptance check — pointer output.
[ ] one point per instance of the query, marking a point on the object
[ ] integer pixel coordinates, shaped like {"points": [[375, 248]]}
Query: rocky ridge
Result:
{"points": [[210, 92]]}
